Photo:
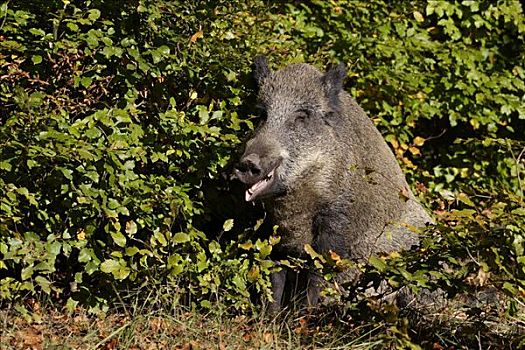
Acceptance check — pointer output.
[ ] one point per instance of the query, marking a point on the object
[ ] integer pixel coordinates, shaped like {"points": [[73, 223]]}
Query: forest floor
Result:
{"points": [[38, 327]]}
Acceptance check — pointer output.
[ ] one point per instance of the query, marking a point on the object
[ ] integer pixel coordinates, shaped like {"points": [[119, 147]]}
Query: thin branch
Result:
{"points": [[520, 183]]}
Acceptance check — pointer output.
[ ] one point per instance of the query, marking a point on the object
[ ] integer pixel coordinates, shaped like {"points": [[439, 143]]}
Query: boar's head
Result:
{"points": [[301, 112]]}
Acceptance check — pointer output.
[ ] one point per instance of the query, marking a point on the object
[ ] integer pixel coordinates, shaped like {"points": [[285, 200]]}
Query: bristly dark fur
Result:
{"points": [[261, 70]]}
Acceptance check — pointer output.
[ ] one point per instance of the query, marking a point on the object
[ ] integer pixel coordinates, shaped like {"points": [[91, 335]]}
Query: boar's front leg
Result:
{"points": [[315, 284], [330, 235], [278, 280]]}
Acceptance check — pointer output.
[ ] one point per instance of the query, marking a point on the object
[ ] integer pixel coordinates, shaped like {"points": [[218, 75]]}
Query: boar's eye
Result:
{"points": [[301, 115], [332, 119]]}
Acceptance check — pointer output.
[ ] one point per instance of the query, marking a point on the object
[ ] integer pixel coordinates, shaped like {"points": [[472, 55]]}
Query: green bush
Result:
{"points": [[118, 122], [112, 118]]}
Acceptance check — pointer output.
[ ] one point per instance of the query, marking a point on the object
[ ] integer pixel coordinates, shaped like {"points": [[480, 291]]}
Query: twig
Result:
{"points": [[518, 160], [5, 17], [120, 299], [114, 333], [473, 259]]}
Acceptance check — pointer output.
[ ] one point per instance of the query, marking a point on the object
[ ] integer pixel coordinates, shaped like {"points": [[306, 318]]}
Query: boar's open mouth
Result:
{"points": [[260, 187]]}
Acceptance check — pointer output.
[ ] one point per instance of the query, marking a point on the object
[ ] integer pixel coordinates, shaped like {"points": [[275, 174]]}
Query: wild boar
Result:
{"points": [[325, 172]]}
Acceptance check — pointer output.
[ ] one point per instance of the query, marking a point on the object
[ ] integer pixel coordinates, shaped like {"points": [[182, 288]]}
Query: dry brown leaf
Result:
{"points": [[437, 346], [111, 344], [156, 324], [421, 187], [404, 194], [334, 256], [268, 337], [196, 36], [30, 338]]}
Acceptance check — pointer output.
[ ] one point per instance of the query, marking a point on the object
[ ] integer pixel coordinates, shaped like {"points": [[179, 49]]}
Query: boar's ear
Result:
{"points": [[332, 82], [260, 69]]}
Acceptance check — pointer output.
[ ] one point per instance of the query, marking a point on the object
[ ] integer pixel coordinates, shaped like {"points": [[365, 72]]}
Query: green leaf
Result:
{"points": [[23, 191], [84, 255], [93, 133], [72, 26], [181, 237], [131, 251], [37, 59], [92, 42], [159, 237], [86, 81], [94, 14], [71, 304], [44, 283], [54, 248], [418, 16], [265, 250], [510, 288], [519, 211], [68, 174], [37, 31], [26, 273], [239, 282], [131, 227], [378, 263], [5, 165], [110, 266], [164, 50], [228, 225], [119, 239]]}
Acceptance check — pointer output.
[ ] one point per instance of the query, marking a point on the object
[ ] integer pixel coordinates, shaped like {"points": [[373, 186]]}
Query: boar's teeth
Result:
{"points": [[258, 187]]}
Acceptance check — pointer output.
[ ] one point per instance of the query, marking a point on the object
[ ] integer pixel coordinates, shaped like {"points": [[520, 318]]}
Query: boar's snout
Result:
{"points": [[259, 176], [249, 168]]}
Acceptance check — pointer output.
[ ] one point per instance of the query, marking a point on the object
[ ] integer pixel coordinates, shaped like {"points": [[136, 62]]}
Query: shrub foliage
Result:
{"points": [[118, 121]]}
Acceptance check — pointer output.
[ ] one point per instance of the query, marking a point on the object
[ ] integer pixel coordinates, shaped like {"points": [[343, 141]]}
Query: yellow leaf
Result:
{"points": [[274, 240], [414, 150], [394, 255], [419, 141], [81, 235], [312, 253], [394, 143], [420, 96], [464, 198], [253, 274], [246, 245], [408, 163]]}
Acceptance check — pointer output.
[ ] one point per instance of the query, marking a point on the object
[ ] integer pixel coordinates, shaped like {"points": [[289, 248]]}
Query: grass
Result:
{"points": [[156, 323], [53, 329]]}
